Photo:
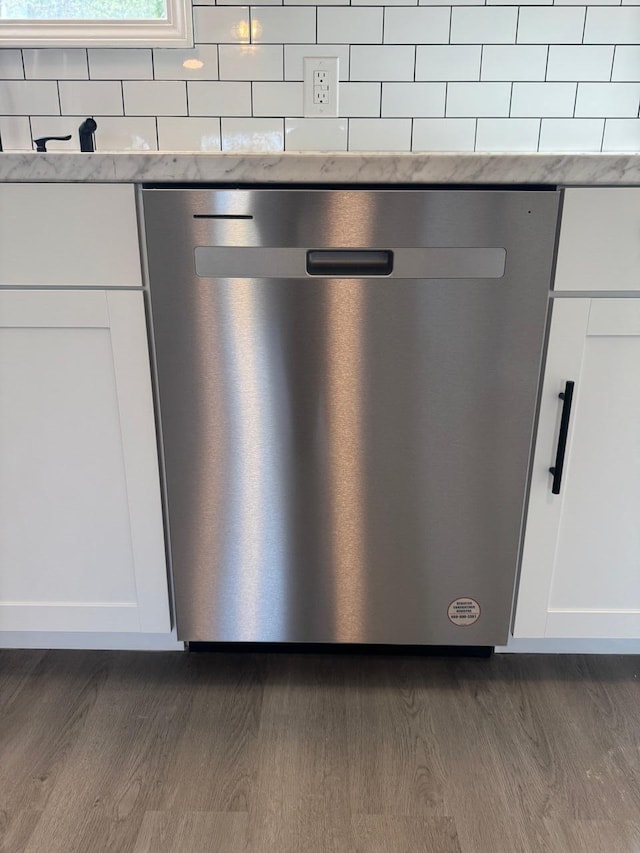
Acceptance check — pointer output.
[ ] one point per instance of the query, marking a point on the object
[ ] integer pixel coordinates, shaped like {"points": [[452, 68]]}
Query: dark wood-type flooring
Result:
{"points": [[222, 753]]}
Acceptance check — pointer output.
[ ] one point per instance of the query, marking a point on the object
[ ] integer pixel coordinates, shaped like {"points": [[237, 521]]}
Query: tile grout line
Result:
{"points": [[613, 61], [546, 65]]}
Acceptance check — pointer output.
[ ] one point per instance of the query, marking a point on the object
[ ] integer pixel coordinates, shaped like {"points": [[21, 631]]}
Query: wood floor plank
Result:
{"points": [[301, 800], [386, 833], [16, 828], [42, 723], [570, 731], [395, 763], [16, 667], [215, 764], [192, 832], [118, 766], [594, 836], [465, 701], [127, 752]]}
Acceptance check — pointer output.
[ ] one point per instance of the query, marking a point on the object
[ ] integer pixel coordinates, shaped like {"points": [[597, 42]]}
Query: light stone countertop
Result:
{"points": [[322, 168]]}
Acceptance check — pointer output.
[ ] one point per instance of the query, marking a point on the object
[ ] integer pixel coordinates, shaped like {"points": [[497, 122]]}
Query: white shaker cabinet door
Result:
{"points": [[81, 538], [580, 573]]}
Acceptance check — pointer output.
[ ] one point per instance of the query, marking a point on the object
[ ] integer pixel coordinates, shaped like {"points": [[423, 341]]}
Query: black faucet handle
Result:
{"points": [[86, 132], [41, 143]]}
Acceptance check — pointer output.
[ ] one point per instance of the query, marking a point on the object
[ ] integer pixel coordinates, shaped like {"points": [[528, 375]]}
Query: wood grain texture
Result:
{"points": [[195, 832], [134, 752]]}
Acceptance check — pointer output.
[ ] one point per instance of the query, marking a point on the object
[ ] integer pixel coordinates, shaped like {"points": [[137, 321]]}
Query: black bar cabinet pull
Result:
{"points": [[350, 263], [566, 396]]}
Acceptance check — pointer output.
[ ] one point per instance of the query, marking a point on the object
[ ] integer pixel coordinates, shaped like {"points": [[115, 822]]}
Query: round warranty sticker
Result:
{"points": [[464, 611]]}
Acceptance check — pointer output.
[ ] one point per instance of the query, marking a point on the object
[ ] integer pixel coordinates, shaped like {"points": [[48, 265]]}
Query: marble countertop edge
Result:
{"points": [[322, 168]]}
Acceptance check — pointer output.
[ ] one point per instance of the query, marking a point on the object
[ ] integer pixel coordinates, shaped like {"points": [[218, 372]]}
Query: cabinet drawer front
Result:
{"points": [[599, 246], [69, 235]]}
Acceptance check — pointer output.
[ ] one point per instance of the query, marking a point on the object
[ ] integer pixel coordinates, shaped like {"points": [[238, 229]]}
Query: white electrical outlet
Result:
{"points": [[320, 86]]}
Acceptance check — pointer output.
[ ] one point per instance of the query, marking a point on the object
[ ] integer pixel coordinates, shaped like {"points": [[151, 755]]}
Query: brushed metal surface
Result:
{"points": [[259, 262], [346, 456]]}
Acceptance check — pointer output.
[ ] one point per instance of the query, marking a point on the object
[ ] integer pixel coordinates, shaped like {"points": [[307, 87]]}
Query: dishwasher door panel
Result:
{"points": [[345, 457]]}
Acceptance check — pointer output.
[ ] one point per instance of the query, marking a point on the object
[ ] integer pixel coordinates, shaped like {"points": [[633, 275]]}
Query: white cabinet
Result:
{"points": [[69, 235], [81, 539], [580, 573], [599, 240]]}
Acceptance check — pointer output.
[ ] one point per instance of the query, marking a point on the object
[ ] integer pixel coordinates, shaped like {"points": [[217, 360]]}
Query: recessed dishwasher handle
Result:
{"points": [[351, 263]]}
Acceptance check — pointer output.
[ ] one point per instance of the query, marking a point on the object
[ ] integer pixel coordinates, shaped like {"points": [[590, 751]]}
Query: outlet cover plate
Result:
{"points": [[320, 89]]}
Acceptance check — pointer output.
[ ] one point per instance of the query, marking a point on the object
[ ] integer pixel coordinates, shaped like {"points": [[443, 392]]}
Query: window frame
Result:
{"points": [[175, 31]]}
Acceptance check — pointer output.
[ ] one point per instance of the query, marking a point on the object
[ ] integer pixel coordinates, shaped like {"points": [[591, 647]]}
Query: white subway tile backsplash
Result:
{"points": [[452, 3], [384, 3], [507, 134], [188, 134], [58, 126], [416, 26], [388, 62], [626, 62], [252, 134], [478, 99], [155, 98], [543, 99], [11, 64], [315, 3], [93, 97], [221, 25], [612, 25], [529, 3], [568, 62], [444, 134], [133, 63], [559, 25], [484, 74], [295, 53], [126, 134], [55, 64], [196, 63], [315, 134], [350, 25], [448, 62], [283, 24], [359, 100], [29, 97], [277, 99], [621, 134], [608, 99], [514, 62], [413, 99], [571, 134], [250, 62], [15, 133], [483, 25], [219, 99], [379, 134]]}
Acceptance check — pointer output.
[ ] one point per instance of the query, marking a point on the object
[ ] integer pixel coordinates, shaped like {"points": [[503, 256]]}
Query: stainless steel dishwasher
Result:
{"points": [[347, 383]]}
